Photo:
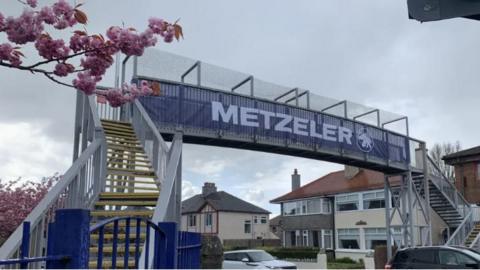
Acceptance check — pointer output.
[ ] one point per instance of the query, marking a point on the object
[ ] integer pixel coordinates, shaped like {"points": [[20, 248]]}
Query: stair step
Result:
{"points": [[132, 188], [107, 126], [131, 181], [130, 165], [107, 264], [135, 153], [126, 203], [140, 172], [126, 148], [120, 236], [121, 213], [129, 159], [108, 121], [120, 249], [129, 196], [131, 174], [112, 134], [123, 143], [128, 139]]}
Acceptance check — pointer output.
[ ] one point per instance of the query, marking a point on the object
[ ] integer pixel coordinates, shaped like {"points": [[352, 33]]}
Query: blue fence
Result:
{"points": [[71, 240]]}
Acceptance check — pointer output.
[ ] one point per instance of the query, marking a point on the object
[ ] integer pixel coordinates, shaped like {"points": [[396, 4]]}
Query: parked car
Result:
{"points": [[253, 259], [436, 257]]}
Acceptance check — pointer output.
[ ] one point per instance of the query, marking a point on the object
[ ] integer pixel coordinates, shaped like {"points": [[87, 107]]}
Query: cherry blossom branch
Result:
{"points": [[95, 51]]}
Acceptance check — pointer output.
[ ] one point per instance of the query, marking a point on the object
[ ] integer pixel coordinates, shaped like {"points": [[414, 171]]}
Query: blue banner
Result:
{"points": [[216, 113]]}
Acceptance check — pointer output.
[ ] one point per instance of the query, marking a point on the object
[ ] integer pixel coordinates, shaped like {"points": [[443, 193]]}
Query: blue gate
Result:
{"points": [[70, 242]]}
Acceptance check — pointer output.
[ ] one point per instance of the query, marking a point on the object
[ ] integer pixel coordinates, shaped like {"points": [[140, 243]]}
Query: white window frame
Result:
{"points": [[348, 232], [301, 205], [263, 218], [324, 234], [192, 217], [343, 198], [377, 194], [208, 219], [305, 238], [249, 222], [360, 196]]}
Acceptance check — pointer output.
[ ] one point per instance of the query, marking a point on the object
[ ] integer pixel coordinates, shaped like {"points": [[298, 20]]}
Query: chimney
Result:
{"points": [[208, 188], [351, 171], [295, 180]]}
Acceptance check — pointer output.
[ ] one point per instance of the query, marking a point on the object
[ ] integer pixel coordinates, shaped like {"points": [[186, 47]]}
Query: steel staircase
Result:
{"points": [[447, 202], [440, 203], [130, 190]]}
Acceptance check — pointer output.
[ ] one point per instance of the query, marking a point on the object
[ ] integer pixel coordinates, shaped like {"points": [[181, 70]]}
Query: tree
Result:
{"points": [[440, 150], [17, 200], [94, 52]]}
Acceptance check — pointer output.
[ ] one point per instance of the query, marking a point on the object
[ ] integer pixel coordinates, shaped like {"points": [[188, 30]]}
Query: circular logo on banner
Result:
{"points": [[364, 141]]}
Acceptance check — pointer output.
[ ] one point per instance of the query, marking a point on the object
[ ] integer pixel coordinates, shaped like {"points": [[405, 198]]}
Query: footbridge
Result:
{"points": [[122, 165]]}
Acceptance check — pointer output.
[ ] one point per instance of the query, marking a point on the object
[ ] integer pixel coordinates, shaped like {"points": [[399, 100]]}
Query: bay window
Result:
{"points": [[348, 238], [374, 200]]}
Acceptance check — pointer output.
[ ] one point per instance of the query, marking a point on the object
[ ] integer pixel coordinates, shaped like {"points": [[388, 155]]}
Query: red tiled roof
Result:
{"points": [[336, 182]]}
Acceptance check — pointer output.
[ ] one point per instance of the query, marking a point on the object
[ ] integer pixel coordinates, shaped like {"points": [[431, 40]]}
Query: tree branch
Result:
{"points": [[57, 81]]}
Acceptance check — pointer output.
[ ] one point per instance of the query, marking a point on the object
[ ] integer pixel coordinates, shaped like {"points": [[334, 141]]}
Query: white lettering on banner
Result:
{"points": [[231, 113], [249, 117]]}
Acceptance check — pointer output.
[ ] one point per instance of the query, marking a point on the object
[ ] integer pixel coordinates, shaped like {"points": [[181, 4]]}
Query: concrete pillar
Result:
{"points": [[369, 261], [322, 259]]}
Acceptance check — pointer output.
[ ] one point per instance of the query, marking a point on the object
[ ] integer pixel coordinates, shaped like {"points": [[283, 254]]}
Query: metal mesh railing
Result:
{"points": [[161, 65]]}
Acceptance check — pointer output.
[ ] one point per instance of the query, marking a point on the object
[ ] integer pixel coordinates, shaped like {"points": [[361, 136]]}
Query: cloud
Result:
{"points": [[27, 152], [189, 190], [208, 168]]}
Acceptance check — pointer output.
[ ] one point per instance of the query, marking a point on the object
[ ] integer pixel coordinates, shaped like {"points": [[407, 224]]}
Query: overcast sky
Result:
{"points": [[365, 51]]}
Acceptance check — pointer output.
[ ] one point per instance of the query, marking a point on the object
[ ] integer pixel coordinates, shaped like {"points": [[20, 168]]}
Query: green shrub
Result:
{"points": [[293, 253], [345, 260]]}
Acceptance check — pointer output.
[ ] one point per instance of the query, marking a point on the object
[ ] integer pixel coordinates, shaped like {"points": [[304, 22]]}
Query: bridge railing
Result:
{"points": [[79, 186]]}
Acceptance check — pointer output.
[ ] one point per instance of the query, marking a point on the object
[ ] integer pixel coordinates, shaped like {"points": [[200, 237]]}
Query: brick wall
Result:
{"points": [[467, 181]]}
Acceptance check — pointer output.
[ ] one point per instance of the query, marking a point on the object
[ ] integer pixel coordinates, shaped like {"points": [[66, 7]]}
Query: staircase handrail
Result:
{"points": [[475, 243], [152, 141], [457, 195], [79, 187], [57, 197], [462, 231]]}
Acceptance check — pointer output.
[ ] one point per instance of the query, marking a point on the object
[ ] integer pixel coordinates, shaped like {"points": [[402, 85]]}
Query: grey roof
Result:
{"points": [[220, 201], [464, 153]]}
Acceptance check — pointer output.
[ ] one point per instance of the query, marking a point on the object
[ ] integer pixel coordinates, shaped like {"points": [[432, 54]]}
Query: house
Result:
{"points": [[343, 211], [220, 213], [467, 172]]}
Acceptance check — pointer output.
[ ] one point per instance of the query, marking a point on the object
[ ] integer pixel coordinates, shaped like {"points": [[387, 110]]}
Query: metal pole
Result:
{"points": [[387, 218], [426, 187], [410, 208]]}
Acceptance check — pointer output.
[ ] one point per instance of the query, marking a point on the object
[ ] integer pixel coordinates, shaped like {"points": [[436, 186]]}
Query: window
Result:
{"points": [[305, 238], [349, 238], [375, 237], [307, 207], [208, 219], [347, 202], [327, 239], [263, 220], [289, 208], [374, 200], [327, 209], [248, 226], [453, 258], [255, 219], [192, 220]]}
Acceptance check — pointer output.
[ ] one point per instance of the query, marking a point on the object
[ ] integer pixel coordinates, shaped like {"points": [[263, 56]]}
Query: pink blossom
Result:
{"points": [[50, 49], [32, 3], [65, 15], [46, 14], [147, 38], [86, 82], [2, 22], [97, 65], [63, 69], [115, 97], [26, 28], [158, 26], [7, 53], [78, 42]]}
